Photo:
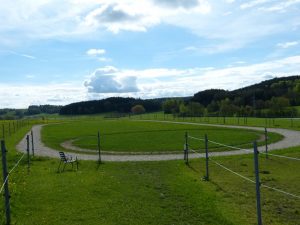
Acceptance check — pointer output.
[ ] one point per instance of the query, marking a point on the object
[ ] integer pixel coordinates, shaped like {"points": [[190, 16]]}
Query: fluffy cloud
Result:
{"points": [[149, 83], [287, 44], [95, 52], [108, 80], [21, 96], [162, 82], [178, 3]]}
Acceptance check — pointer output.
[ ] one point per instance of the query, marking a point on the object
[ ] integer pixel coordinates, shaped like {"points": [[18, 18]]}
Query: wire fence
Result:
{"points": [[13, 168], [257, 183], [238, 174]]}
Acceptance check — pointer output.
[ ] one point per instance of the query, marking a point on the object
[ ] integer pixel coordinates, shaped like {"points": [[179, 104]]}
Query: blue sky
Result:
{"points": [[58, 52]]}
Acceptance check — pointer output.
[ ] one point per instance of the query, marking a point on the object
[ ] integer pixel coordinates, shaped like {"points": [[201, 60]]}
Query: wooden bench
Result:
{"points": [[65, 159]]}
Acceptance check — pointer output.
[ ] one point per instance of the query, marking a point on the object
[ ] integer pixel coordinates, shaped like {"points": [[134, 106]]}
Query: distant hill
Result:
{"points": [[288, 87], [268, 98], [114, 104]]}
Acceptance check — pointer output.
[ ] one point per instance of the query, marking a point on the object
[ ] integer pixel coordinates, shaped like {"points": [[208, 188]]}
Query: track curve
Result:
{"points": [[291, 139]]}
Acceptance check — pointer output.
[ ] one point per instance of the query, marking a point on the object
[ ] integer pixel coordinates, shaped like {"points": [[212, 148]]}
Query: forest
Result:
{"points": [[269, 98]]}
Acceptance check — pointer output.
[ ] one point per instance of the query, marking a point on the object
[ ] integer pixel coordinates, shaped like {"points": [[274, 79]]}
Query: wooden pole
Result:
{"points": [[99, 149], [207, 158], [5, 180], [257, 185], [28, 155], [32, 143]]}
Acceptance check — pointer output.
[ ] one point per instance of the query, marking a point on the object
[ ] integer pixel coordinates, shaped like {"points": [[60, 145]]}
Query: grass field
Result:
{"points": [[139, 136], [288, 123], [166, 192]]}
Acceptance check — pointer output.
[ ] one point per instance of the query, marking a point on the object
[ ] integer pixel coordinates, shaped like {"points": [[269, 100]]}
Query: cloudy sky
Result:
{"points": [[58, 52]]}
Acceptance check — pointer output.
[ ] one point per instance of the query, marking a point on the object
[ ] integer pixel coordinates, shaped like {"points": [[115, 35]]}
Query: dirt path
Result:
{"points": [[291, 139]]}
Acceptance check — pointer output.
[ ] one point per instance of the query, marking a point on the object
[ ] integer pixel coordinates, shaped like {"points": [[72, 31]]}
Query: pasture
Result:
{"points": [[138, 136], [166, 192], [287, 123]]}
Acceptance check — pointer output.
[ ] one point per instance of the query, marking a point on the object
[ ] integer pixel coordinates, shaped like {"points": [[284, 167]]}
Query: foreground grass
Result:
{"points": [[139, 136], [154, 193], [151, 192]]}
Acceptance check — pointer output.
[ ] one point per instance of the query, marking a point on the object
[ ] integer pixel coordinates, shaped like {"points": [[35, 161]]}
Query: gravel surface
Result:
{"points": [[291, 139]]}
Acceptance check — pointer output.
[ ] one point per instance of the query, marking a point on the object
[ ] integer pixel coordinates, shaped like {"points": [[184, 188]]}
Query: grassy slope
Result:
{"points": [[124, 135]]}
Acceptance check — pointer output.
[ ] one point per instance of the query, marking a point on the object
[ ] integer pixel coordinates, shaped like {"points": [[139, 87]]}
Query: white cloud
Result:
{"points": [[30, 76], [254, 3], [107, 80], [98, 54], [149, 83], [95, 52], [23, 55], [187, 4], [287, 44], [280, 6], [21, 96], [219, 21], [162, 82]]}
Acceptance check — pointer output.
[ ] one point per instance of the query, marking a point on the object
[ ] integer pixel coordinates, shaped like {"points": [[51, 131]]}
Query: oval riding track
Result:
{"points": [[291, 139]]}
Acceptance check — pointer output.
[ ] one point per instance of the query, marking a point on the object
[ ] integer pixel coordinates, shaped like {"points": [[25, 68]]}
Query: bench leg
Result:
{"points": [[64, 167]]}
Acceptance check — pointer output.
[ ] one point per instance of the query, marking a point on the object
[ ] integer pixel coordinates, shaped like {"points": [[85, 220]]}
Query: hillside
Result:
{"points": [[268, 98]]}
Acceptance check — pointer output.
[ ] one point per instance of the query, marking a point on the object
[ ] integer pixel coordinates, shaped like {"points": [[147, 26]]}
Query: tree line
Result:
{"points": [[271, 98]]}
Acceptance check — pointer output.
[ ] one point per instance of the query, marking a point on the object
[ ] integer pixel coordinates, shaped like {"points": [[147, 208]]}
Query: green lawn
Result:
{"points": [[167, 192], [288, 123], [138, 136]]}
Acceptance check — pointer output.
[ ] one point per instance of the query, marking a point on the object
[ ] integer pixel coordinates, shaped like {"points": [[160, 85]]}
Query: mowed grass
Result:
{"points": [[155, 193], [287, 123], [167, 192], [139, 136]]}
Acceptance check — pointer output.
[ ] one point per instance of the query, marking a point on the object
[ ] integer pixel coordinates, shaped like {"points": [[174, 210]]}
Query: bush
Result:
{"points": [[138, 109]]}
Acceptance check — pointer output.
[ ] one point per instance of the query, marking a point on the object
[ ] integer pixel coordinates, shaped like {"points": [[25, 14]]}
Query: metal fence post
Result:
{"points": [[5, 180], [9, 130], [28, 155], [186, 149], [99, 149], [32, 143], [266, 141], [3, 131], [206, 157], [257, 182]]}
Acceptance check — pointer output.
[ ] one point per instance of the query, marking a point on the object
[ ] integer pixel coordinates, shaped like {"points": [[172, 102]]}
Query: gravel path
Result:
{"points": [[291, 139]]}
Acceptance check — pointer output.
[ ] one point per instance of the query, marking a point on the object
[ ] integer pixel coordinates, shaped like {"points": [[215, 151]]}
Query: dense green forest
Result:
{"points": [[269, 98], [114, 104]]}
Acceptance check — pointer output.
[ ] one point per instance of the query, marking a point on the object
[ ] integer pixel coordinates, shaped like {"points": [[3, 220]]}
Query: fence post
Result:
{"points": [[186, 149], [9, 130], [206, 157], [5, 180], [28, 155], [257, 184], [266, 141], [99, 150], [32, 143], [3, 131]]}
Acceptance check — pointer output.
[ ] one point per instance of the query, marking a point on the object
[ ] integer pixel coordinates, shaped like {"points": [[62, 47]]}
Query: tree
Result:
{"points": [[138, 109], [171, 106], [195, 108]]}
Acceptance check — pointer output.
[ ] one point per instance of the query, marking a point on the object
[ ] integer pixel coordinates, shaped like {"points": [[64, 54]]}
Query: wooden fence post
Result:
{"points": [[5, 180], [257, 184]]}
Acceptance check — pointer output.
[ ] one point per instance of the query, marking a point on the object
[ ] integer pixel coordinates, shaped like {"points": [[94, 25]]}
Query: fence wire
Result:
{"points": [[14, 167], [244, 177]]}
